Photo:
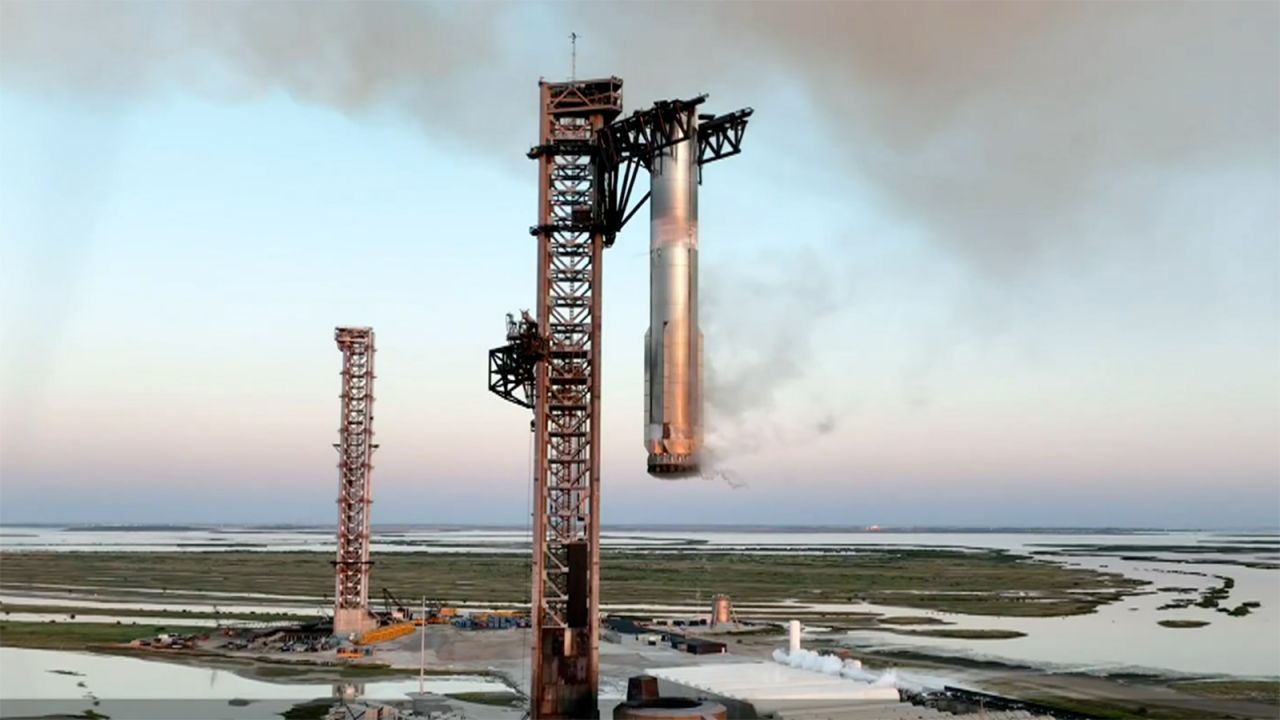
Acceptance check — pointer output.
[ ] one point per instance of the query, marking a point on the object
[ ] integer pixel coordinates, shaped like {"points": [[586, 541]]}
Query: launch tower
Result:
{"points": [[588, 163], [566, 498], [355, 447]]}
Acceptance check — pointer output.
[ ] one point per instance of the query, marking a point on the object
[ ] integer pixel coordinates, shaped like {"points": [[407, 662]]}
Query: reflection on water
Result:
{"points": [[45, 682]]}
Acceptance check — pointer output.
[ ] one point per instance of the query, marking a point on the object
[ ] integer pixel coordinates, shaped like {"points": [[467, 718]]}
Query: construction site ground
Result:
{"points": [[506, 653]]}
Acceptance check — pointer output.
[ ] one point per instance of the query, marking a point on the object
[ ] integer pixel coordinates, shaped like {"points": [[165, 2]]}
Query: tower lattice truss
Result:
{"points": [[355, 448], [588, 162], [567, 414]]}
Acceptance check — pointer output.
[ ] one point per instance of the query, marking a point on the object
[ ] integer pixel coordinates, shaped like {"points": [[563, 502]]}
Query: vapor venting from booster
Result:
{"points": [[838, 667], [673, 342]]}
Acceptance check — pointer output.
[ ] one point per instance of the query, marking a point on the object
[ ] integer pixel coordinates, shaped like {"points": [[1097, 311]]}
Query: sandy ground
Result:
{"points": [[506, 652]]}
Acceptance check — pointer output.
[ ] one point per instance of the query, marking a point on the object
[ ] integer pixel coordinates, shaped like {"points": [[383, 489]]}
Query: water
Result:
{"points": [[1124, 636], [488, 541], [124, 539], [46, 682], [1119, 637]]}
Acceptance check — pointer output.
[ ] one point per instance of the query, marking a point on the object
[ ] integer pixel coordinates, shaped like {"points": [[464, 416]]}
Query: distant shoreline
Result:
{"points": [[655, 527]]}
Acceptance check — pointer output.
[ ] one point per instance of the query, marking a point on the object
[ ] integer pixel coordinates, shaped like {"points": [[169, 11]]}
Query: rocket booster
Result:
{"points": [[673, 342]]}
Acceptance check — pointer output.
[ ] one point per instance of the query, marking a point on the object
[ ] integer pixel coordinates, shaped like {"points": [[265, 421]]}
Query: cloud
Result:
{"points": [[439, 66], [1131, 149], [995, 125]]}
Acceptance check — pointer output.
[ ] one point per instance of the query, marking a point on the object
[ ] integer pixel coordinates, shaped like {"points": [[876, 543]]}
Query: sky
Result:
{"points": [[987, 264]]}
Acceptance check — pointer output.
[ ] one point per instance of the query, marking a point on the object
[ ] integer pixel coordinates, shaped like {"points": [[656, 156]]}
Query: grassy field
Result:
{"points": [[1128, 705], [499, 699], [1007, 585], [1107, 710], [910, 620], [962, 633], [1265, 691], [78, 636], [176, 615], [295, 671], [1182, 623]]}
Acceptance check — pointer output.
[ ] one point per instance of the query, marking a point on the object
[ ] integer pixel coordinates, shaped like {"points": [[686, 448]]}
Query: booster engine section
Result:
{"points": [[673, 342]]}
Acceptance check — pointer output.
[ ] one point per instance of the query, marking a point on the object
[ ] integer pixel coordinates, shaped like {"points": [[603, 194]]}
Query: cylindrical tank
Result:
{"points": [[721, 610], [673, 342], [642, 689], [793, 635], [644, 702], [671, 709]]}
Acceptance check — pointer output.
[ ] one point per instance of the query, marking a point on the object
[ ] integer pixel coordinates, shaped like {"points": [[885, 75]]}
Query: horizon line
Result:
{"points": [[713, 527]]}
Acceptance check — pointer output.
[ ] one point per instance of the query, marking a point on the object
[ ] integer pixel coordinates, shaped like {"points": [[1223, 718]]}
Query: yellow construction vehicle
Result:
{"points": [[383, 634], [442, 616]]}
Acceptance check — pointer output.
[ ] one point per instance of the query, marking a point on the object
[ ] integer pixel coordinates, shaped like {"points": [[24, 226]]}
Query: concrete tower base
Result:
{"points": [[352, 621]]}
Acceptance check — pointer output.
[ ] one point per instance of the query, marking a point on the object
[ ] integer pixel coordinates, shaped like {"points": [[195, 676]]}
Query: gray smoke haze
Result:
{"points": [[438, 66], [1027, 140], [1004, 130], [994, 124], [760, 324], [997, 124]]}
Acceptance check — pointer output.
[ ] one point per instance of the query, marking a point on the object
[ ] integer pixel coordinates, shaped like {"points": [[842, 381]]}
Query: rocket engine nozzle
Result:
{"points": [[670, 466]]}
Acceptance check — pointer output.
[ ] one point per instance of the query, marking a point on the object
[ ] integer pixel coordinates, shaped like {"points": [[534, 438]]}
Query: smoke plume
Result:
{"points": [[1034, 143], [831, 665], [760, 325], [1025, 139], [998, 125], [438, 66]]}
